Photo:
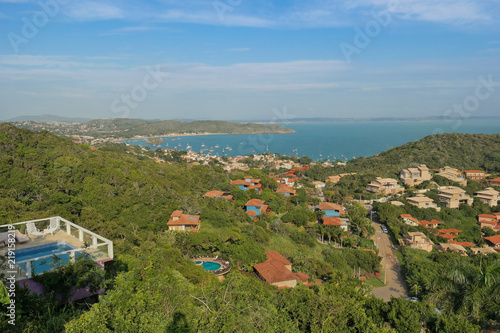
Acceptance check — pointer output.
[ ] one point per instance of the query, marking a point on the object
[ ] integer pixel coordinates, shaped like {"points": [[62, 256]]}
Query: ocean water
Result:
{"points": [[327, 140]]}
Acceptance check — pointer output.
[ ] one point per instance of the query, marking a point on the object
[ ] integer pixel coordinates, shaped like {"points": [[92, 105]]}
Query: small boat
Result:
{"points": [[203, 145], [188, 147], [216, 146]]}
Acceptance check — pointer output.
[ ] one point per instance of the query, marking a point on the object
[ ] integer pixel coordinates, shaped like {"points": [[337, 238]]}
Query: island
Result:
{"points": [[155, 141]]}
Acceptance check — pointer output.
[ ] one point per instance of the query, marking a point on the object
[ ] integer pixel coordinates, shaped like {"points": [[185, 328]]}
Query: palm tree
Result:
{"points": [[467, 290], [415, 289]]}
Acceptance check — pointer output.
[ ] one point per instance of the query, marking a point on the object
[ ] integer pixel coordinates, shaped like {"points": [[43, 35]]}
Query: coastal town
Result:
{"points": [[405, 190]]}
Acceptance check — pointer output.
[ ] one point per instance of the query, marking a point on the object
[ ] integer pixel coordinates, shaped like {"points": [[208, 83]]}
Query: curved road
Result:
{"points": [[396, 286]]}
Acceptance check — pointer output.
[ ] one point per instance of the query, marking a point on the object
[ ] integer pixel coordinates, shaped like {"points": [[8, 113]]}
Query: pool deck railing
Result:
{"points": [[100, 248]]}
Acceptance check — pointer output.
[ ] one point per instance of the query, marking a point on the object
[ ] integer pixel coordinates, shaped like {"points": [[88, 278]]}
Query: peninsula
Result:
{"points": [[123, 128]]}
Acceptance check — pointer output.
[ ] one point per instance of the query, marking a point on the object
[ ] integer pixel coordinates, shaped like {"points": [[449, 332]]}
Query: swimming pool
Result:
{"points": [[44, 264], [209, 265]]}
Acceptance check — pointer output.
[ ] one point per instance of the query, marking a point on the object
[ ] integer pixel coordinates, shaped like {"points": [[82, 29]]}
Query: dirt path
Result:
{"points": [[396, 285]]}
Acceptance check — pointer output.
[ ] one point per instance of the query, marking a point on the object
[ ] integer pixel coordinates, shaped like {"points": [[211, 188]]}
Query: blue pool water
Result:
{"points": [[44, 264], [209, 265]]}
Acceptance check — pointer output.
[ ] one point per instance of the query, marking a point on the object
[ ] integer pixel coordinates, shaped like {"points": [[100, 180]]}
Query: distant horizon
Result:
{"points": [[290, 120]]}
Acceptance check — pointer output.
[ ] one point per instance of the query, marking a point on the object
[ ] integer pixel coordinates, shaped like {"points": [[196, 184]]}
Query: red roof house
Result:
{"points": [[494, 241], [495, 182], [183, 222], [218, 195], [431, 224], [277, 271]]}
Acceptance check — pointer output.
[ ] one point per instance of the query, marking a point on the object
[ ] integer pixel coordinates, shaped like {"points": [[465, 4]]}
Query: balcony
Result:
{"points": [[32, 244]]}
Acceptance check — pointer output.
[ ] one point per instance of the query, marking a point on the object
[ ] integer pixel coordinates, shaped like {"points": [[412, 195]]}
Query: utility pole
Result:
{"points": [[385, 275]]}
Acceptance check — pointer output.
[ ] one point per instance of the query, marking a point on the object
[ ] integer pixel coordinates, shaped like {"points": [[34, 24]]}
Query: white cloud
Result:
{"points": [[94, 11], [292, 14], [445, 11], [48, 61]]}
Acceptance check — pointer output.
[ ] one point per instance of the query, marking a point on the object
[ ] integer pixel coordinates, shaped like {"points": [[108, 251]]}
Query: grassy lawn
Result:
{"points": [[377, 281]]}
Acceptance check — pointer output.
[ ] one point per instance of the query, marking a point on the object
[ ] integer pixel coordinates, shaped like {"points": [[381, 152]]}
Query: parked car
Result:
{"points": [[412, 299]]}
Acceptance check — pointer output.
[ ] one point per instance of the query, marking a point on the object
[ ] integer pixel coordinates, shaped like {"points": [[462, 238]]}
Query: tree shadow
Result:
{"points": [[179, 324]]}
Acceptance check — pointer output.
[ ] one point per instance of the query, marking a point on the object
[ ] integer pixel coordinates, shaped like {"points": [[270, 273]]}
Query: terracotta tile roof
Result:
{"points": [[464, 244], [485, 218], [493, 239], [254, 202], [185, 220], [490, 216], [276, 256], [274, 272], [274, 269], [330, 206], [414, 220], [496, 180], [447, 236], [332, 220], [302, 276], [283, 188], [176, 213], [449, 231], [240, 182], [424, 222], [405, 215], [252, 213], [214, 194]]}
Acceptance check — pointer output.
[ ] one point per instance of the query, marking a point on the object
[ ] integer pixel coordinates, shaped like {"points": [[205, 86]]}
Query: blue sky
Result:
{"points": [[243, 60]]}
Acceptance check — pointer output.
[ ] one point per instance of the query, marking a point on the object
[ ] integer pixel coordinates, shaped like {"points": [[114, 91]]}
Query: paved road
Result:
{"points": [[396, 285]]}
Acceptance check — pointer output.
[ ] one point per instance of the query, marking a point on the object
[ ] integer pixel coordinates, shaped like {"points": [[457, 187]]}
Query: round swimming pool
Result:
{"points": [[211, 266]]}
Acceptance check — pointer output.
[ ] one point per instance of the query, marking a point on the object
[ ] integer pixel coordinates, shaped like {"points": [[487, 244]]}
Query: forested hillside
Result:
{"points": [[128, 128], [152, 283], [462, 151]]}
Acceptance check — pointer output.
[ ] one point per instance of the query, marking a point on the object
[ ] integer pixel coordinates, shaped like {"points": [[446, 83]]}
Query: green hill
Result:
{"points": [[49, 117], [128, 128], [462, 151], [133, 127]]}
